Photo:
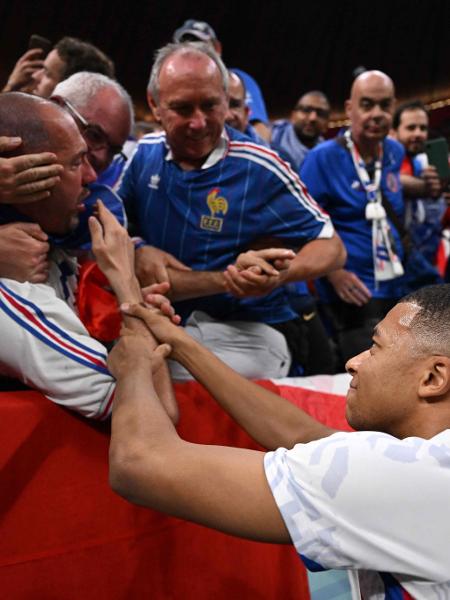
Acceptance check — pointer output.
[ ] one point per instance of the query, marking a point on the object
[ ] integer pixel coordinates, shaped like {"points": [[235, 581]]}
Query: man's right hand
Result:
{"points": [[349, 287], [152, 264], [26, 178], [21, 77], [24, 252]]}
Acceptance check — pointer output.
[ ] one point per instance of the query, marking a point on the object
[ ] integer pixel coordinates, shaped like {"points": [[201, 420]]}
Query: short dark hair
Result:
{"points": [[431, 324], [411, 105], [20, 116], [83, 56]]}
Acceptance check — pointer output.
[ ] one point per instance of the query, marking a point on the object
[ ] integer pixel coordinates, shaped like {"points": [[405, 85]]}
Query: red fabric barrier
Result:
{"points": [[65, 536]]}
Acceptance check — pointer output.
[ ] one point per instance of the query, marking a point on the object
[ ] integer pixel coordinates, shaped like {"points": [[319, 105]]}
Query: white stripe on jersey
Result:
{"points": [[271, 161], [149, 138]]}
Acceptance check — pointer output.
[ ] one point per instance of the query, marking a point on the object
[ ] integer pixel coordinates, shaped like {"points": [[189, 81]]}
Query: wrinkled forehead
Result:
{"points": [[182, 67], [374, 86], [65, 137]]}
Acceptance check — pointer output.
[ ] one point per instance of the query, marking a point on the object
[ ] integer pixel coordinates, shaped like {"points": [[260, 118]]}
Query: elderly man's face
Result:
{"points": [[59, 214], [191, 107], [370, 108], [383, 391], [109, 118]]}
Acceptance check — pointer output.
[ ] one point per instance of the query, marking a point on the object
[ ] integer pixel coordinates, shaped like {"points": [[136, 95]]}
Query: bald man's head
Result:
{"points": [[370, 107], [20, 115], [45, 126]]}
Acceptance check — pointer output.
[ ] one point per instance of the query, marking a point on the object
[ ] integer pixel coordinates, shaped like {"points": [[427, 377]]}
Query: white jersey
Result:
{"points": [[44, 344], [373, 504]]}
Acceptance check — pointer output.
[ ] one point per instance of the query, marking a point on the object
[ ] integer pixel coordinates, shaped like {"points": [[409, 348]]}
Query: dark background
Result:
{"points": [[289, 47]]}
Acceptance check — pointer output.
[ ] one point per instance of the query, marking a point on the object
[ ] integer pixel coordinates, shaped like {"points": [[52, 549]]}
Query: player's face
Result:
{"points": [[413, 130], [370, 109], [59, 214], [383, 390], [191, 107], [310, 116], [237, 115], [49, 76]]}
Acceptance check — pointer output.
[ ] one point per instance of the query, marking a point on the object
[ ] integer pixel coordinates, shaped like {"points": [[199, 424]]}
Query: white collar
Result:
{"points": [[214, 157]]}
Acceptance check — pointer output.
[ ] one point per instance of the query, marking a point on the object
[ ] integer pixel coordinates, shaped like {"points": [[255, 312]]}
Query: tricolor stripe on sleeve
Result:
{"points": [[28, 316], [270, 160]]}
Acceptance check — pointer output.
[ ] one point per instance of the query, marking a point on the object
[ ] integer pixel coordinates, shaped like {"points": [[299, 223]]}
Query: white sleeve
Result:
{"points": [[367, 500], [46, 346]]}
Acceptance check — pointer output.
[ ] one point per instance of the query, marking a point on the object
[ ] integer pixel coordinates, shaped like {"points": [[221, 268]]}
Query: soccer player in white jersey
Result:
{"points": [[374, 501]]}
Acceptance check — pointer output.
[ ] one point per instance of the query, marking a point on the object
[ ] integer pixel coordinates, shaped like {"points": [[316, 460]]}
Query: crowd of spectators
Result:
{"points": [[206, 188]]}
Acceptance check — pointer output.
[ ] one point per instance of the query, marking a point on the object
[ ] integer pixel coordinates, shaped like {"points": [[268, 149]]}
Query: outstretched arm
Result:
{"points": [[114, 252], [269, 419], [223, 488]]}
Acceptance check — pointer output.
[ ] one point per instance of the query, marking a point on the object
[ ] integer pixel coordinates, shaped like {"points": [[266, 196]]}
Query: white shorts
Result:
{"points": [[255, 350]]}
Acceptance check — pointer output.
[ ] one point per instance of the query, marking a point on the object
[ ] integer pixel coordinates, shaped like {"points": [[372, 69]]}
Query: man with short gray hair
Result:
{"points": [[202, 192], [106, 110]]}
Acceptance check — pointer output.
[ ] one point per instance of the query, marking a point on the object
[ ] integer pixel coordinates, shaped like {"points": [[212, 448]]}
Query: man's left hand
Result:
{"points": [[257, 272]]}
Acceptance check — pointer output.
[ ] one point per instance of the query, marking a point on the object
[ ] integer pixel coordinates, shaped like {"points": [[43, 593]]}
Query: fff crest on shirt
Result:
{"points": [[217, 205]]}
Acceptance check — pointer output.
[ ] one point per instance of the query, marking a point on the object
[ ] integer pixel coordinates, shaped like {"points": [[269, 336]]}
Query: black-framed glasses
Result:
{"points": [[95, 136], [322, 113]]}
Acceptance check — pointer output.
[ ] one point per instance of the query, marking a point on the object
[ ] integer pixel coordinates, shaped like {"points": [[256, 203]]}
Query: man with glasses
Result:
{"points": [[103, 112], [294, 138]]}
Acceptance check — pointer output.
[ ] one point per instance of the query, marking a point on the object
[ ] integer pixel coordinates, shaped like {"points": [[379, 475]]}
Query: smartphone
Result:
{"points": [[437, 152], [38, 41]]}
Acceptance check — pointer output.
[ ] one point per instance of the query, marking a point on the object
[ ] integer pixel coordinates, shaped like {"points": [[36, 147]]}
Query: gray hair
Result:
{"points": [[81, 87], [184, 48]]}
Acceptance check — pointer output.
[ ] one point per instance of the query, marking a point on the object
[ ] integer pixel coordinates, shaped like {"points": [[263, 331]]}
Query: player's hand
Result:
{"points": [[21, 77], [257, 272], [152, 264], [26, 178], [349, 287], [269, 260], [156, 296], [161, 325], [24, 252], [134, 350]]}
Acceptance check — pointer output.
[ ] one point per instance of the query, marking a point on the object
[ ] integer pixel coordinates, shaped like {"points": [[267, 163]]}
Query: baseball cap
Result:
{"points": [[197, 29]]}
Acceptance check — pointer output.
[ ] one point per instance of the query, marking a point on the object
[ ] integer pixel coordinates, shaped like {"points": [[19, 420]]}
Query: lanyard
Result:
{"points": [[385, 260], [374, 208]]}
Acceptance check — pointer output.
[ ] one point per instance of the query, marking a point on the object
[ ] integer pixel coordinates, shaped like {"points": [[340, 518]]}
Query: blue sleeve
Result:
{"points": [[127, 191], [290, 213], [314, 175], [254, 99]]}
